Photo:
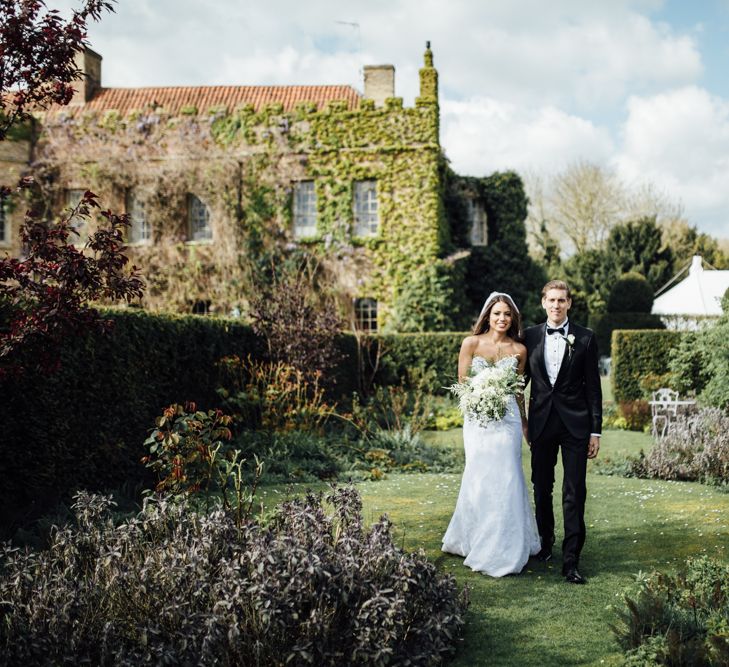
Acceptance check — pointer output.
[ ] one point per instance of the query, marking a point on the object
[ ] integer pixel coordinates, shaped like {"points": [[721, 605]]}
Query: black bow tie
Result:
{"points": [[559, 330]]}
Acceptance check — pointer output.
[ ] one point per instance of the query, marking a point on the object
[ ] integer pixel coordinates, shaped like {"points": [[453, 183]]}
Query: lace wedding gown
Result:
{"points": [[493, 525]]}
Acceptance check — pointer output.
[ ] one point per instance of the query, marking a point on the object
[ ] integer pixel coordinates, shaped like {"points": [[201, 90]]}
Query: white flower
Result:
{"points": [[570, 338]]}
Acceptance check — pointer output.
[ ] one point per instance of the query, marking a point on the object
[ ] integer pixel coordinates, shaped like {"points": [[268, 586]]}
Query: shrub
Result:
{"points": [[299, 323], [46, 296], [296, 456], [172, 586], [637, 354], [696, 448], [689, 366], [701, 363], [184, 447], [636, 414], [678, 619], [273, 396], [631, 293], [393, 407]]}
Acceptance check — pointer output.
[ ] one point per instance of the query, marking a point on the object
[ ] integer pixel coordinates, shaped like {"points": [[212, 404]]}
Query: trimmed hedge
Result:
{"points": [[636, 355], [84, 426], [604, 325], [435, 353]]}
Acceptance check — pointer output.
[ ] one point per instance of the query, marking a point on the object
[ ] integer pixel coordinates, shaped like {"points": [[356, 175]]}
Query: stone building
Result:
{"points": [[211, 175]]}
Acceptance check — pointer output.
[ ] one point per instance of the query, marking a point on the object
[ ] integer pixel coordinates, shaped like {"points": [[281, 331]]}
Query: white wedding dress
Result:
{"points": [[493, 525]]}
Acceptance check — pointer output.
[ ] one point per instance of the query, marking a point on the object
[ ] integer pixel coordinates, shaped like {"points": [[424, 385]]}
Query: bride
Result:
{"points": [[493, 525]]}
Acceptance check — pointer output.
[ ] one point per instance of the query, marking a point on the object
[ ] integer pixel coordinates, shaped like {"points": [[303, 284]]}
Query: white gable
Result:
{"points": [[699, 293]]}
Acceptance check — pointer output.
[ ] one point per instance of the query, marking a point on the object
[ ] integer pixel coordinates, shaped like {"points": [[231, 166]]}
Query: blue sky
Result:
{"points": [[638, 86]]}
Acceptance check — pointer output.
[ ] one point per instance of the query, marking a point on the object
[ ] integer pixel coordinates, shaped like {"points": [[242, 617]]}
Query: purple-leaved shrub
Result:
{"points": [[310, 585], [696, 448]]}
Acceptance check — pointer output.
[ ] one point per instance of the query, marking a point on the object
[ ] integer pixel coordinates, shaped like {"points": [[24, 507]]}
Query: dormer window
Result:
{"points": [[198, 220]]}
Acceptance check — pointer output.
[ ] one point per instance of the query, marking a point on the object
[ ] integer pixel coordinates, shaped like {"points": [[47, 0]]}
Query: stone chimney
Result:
{"points": [[379, 83], [89, 64], [428, 79]]}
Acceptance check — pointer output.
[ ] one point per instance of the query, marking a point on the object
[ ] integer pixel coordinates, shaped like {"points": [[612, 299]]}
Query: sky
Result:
{"points": [[640, 87]]}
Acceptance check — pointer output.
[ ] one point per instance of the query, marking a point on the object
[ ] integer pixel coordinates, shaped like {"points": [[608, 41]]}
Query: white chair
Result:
{"points": [[664, 408]]}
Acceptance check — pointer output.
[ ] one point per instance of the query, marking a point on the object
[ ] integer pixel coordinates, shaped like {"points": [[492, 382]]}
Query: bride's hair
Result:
{"points": [[482, 323]]}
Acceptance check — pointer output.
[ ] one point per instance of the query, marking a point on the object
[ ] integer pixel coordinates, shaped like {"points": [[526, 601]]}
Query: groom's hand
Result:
{"points": [[593, 447], [525, 431]]}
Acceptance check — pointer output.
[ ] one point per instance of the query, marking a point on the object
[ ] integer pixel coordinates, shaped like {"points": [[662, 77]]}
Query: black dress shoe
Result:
{"points": [[545, 554], [572, 576]]}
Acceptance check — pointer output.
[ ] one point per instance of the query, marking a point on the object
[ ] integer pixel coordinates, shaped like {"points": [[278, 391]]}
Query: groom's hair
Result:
{"points": [[557, 284]]}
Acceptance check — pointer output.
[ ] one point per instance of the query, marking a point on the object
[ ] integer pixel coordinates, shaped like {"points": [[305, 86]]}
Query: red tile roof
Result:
{"points": [[173, 99]]}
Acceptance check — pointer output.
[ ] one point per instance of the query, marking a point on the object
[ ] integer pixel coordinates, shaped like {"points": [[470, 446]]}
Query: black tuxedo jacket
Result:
{"points": [[576, 395]]}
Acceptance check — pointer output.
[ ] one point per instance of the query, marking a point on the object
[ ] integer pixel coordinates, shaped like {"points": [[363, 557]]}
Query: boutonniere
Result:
{"points": [[570, 340]]}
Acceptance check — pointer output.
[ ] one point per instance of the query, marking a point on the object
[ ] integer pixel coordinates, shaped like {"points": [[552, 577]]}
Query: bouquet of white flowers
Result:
{"points": [[484, 396]]}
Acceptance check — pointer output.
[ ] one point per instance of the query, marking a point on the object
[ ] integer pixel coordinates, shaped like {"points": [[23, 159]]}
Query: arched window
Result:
{"points": [[201, 307], [198, 218], [139, 230], [365, 314]]}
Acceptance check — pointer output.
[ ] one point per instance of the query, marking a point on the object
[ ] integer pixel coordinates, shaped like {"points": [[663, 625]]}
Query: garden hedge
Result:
{"points": [[637, 356], [435, 353], [84, 426], [603, 325]]}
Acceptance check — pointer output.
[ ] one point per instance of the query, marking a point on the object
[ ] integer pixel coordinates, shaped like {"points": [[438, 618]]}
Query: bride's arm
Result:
{"points": [[465, 356], [522, 356]]}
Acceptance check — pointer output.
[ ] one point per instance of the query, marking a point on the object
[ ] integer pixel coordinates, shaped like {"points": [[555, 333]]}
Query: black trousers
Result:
{"points": [[574, 491]]}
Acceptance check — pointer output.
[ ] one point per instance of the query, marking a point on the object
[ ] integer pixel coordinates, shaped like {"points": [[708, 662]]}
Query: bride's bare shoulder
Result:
{"points": [[470, 343], [520, 349]]}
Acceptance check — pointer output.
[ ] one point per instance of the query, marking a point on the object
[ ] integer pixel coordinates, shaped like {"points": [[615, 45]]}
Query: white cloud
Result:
{"points": [[484, 135], [679, 140]]}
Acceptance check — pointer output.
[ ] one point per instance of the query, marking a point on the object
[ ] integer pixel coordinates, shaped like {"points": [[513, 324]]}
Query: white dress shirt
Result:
{"points": [[554, 346]]}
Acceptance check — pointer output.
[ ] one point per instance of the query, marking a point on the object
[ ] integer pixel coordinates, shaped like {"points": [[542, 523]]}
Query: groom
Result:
{"points": [[565, 412]]}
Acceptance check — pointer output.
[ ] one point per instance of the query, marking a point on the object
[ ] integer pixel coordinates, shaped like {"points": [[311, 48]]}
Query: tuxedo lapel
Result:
{"points": [[566, 359], [539, 353]]}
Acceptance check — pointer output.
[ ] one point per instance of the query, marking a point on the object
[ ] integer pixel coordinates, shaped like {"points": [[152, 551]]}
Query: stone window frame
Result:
{"points": [[365, 314], [365, 208], [304, 209], [136, 208], [478, 219], [72, 197], [198, 212]]}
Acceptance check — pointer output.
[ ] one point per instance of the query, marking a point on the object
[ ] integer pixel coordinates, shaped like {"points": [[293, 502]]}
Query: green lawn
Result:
{"points": [[535, 618]]}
